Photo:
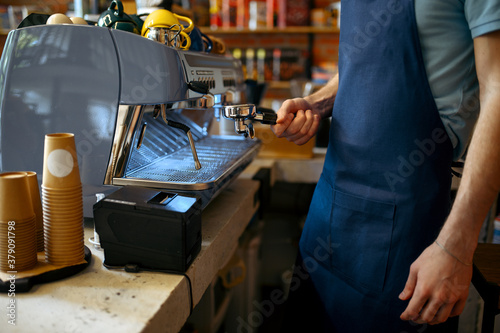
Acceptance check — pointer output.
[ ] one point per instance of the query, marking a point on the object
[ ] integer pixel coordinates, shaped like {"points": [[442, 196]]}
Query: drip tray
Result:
{"points": [[221, 157]]}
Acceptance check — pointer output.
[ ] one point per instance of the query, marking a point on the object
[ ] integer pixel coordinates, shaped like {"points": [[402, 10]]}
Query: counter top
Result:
{"points": [[102, 300], [291, 170]]}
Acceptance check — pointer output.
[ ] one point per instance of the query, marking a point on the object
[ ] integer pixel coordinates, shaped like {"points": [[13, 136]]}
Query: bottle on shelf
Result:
{"points": [[496, 230]]}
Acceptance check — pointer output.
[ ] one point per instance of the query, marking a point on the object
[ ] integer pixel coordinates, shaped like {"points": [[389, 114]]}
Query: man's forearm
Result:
{"points": [[323, 99], [478, 189], [480, 182]]}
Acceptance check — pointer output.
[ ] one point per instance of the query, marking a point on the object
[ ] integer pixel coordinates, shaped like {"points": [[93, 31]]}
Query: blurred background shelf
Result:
{"points": [[287, 30], [33, 2]]}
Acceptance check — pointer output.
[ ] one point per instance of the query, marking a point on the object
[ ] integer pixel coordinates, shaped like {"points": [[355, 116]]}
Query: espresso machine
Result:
{"points": [[141, 112]]}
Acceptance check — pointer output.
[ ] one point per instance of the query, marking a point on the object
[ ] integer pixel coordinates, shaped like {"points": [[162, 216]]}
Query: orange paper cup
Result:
{"points": [[60, 163], [37, 205], [15, 198], [62, 191]]}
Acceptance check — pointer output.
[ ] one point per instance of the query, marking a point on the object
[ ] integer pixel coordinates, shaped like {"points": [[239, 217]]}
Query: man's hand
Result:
{"points": [[437, 287], [297, 121]]}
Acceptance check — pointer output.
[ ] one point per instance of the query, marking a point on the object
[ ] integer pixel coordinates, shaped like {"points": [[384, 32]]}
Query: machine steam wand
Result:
{"points": [[182, 127]]}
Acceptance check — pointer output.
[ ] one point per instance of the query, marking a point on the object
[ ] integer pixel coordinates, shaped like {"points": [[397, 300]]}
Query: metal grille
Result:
{"points": [[216, 154], [165, 159], [161, 140]]}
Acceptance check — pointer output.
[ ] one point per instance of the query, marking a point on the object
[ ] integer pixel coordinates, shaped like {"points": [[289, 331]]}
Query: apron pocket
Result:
{"points": [[361, 232]]}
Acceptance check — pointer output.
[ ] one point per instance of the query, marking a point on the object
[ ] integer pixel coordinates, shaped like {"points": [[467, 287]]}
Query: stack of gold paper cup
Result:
{"points": [[17, 223], [62, 201], [36, 202]]}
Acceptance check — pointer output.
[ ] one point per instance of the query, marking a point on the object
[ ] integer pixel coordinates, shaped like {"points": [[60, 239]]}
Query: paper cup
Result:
{"points": [[53, 228], [18, 244], [62, 197], [61, 248], [15, 198], [56, 261], [70, 218], [63, 225], [62, 209], [64, 254], [65, 261], [49, 200], [16, 238], [74, 244], [23, 266], [73, 218], [60, 163], [55, 237], [58, 244], [25, 250], [62, 206], [61, 191], [37, 206], [64, 237], [65, 257]]}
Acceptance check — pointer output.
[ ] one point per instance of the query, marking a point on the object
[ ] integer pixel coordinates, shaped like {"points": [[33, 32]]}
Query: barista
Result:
{"points": [[382, 202]]}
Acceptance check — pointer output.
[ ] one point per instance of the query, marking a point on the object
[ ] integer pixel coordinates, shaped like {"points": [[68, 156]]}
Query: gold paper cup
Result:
{"points": [[52, 227], [53, 207], [74, 258], [52, 242], [68, 245], [62, 191], [37, 206], [18, 244], [65, 258], [27, 222], [64, 254], [60, 163], [75, 198], [73, 232], [62, 209], [65, 261], [64, 240], [62, 220], [48, 197], [63, 202], [61, 198], [64, 233], [65, 250], [15, 198]]}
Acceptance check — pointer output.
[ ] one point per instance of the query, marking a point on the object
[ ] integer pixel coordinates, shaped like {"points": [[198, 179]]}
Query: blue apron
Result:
{"points": [[384, 192]]}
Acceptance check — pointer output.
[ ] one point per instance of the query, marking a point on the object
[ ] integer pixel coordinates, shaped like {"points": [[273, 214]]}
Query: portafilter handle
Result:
{"points": [[241, 112], [266, 116]]}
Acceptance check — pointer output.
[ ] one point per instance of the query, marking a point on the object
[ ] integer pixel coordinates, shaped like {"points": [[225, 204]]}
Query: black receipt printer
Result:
{"points": [[150, 229]]}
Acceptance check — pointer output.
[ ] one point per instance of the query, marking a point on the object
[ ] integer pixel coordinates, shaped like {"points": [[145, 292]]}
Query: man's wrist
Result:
{"points": [[466, 263], [459, 239]]}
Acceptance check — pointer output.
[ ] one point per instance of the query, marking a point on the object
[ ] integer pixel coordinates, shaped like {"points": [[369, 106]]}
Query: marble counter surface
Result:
{"points": [[102, 300]]}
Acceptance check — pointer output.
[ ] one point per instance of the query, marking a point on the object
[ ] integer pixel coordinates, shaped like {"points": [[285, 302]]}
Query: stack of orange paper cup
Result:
{"points": [[62, 201], [36, 202], [17, 223]]}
